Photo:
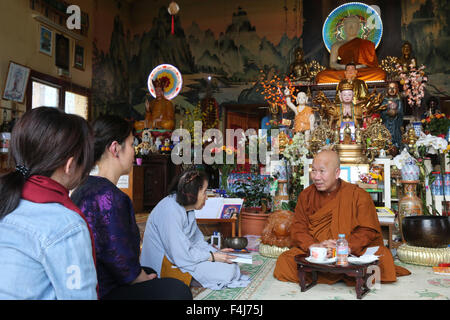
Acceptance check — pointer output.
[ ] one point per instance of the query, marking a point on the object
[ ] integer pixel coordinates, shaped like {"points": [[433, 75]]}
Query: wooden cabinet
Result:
{"points": [[133, 186], [147, 184], [159, 171]]}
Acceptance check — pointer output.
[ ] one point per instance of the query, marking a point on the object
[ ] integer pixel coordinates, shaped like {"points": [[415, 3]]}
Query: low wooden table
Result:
{"points": [[357, 271]]}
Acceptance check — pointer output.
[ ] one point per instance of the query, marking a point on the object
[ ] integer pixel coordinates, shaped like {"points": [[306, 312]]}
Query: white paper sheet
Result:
{"points": [[371, 251]]}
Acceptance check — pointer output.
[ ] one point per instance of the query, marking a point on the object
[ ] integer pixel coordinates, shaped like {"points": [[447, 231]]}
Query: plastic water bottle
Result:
{"points": [[439, 185], [342, 251], [447, 184]]}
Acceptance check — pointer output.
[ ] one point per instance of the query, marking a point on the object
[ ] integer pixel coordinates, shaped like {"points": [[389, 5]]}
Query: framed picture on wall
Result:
{"points": [[16, 82], [78, 57], [62, 52], [45, 40]]}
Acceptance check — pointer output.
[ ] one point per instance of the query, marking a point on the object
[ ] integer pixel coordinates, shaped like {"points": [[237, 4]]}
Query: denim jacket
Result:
{"points": [[45, 253]]}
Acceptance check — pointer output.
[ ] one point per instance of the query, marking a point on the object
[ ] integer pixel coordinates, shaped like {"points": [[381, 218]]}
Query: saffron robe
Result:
{"points": [[301, 122], [160, 109], [319, 216], [358, 51]]}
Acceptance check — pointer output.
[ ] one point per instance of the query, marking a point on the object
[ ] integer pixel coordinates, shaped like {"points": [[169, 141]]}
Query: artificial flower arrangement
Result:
{"points": [[436, 124], [413, 82]]}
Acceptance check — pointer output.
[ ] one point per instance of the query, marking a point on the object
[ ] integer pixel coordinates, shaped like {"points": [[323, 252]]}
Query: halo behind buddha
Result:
{"points": [[371, 26]]}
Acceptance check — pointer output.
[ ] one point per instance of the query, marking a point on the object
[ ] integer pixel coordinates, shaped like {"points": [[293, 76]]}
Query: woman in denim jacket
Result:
{"points": [[45, 243]]}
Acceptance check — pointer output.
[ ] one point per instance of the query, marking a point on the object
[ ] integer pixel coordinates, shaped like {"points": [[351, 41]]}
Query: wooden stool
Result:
{"points": [[357, 271]]}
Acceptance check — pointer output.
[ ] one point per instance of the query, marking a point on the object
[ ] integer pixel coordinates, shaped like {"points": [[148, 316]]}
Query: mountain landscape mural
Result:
{"points": [[223, 40], [234, 59]]}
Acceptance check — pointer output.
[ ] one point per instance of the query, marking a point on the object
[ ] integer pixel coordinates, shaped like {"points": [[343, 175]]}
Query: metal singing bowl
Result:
{"points": [[237, 243]]}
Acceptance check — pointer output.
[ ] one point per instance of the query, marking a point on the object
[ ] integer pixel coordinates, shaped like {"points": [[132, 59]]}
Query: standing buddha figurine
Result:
{"points": [[304, 115]]}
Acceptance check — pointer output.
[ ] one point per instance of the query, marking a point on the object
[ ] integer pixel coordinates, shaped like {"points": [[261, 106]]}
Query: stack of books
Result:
{"points": [[385, 215]]}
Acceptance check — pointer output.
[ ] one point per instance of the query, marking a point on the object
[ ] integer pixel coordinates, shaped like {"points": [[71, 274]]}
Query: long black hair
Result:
{"points": [[187, 185], [42, 141], [107, 129]]}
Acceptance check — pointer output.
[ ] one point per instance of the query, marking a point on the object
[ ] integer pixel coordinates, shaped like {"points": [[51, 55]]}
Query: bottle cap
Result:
{"points": [[341, 235]]}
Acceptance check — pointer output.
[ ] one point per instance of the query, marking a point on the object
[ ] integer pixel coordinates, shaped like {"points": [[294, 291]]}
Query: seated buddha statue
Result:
{"points": [[353, 49], [407, 60], [360, 90], [298, 70], [160, 113]]}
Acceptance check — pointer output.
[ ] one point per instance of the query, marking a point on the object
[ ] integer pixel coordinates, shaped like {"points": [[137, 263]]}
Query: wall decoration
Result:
{"points": [[62, 52], [45, 40], [16, 82], [78, 57]]}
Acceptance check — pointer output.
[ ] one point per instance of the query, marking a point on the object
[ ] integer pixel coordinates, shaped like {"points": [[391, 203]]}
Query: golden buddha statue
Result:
{"points": [[298, 70], [353, 49], [347, 111], [358, 135], [360, 90], [160, 113], [347, 134], [406, 60]]}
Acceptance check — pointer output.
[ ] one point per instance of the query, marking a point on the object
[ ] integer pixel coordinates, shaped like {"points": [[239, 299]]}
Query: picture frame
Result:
{"points": [[62, 52], [45, 40], [78, 57], [16, 82]]}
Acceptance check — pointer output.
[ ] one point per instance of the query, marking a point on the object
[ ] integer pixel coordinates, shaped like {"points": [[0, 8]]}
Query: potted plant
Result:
{"points": [[257, 192]]}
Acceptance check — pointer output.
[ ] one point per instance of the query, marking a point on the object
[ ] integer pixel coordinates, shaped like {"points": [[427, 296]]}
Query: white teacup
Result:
{"points": [[318, 253]]}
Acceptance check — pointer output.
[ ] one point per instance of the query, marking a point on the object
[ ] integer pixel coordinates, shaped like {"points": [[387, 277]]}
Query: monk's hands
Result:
{"points": [[330, 245]]}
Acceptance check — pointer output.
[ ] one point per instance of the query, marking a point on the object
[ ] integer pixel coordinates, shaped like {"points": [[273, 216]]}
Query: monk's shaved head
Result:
{"points": [[326, 170], [331, 157]]}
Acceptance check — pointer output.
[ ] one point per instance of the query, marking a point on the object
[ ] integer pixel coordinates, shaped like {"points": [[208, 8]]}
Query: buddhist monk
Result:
{"points": [[328, 207]]}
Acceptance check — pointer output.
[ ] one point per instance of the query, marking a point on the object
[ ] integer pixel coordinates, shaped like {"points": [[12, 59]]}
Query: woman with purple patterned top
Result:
{"points": [[110, 214]]}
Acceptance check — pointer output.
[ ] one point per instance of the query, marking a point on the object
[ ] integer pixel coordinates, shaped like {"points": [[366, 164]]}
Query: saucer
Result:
{"points": [[362, 259], [326, 261]]}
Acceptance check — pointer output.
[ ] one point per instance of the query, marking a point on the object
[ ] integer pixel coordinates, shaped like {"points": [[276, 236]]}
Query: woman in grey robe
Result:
{"points": [[172, 237]]}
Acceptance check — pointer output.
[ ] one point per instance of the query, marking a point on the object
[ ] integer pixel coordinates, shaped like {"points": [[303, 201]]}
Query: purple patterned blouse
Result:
{"points": [[110, 215]]}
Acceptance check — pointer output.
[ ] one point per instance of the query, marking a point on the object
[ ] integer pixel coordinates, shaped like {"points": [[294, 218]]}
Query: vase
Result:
{"points": [[410, 170], [252, 223], [417, 125], [410, 204]]}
